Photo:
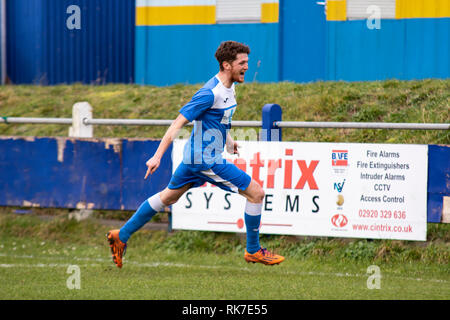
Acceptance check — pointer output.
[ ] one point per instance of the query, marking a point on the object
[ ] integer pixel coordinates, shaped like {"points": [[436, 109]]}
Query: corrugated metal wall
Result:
{"points": [[50, 42], [401, 49], [409, 41], [412, 44], [175, 40], [167, 55]]}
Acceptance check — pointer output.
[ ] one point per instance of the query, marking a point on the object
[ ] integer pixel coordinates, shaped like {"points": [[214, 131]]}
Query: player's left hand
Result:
{"points": [[236, 148], [152, 164]]}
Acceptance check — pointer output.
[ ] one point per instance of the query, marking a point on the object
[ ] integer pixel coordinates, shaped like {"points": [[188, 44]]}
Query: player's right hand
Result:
{"points": [[152, 164]]}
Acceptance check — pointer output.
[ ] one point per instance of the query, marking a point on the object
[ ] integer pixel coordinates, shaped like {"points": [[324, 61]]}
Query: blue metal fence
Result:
{"points": [[438, 180], [67, 41], [83, 173]]}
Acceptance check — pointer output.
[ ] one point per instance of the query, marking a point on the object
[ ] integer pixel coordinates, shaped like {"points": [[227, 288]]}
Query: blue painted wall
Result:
{"points": [[42, 50], [135, 154], [438, 180], [108, 173], [168, 55], [303, 42], [402, 49], [65, 172]]}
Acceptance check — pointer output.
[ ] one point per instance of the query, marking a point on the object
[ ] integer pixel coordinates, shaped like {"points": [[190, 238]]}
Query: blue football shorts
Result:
{"points": [[224, 175]]}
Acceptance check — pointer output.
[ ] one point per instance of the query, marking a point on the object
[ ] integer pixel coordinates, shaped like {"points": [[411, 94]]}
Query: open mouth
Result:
{"points": [[241, 76]]}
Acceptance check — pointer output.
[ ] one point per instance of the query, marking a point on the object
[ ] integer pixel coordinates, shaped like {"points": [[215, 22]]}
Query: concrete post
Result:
{"points": [[80, 112]]}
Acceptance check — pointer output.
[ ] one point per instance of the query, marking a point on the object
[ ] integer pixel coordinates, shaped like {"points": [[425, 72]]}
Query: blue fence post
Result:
{"points": [[270, 114], [438, 186]]}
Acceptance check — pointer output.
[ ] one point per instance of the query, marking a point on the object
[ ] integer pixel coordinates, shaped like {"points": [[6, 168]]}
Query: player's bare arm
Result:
{"points": [[154, 162]]}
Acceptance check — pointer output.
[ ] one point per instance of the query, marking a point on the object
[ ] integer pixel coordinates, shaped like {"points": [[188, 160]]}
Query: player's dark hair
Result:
{"points": [[228, 50]]}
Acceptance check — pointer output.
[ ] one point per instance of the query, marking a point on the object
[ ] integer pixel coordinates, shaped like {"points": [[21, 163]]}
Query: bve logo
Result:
{"points": [[339, 220], [339, 158]]}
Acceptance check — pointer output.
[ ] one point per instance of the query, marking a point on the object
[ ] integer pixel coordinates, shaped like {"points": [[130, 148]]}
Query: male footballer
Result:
{"points": [[211, 110]]}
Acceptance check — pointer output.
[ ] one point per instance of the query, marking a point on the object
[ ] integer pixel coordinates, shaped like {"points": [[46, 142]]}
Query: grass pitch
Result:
{"points": [[37, 259]]}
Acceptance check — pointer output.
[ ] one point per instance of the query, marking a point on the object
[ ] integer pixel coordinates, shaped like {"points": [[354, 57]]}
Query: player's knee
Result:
{"points": [[169, 201], [261, 195], [168, 198], [258, 195]]}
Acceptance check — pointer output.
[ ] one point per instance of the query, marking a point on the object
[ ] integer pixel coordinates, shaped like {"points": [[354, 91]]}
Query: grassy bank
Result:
{"points": [[381, 101]]}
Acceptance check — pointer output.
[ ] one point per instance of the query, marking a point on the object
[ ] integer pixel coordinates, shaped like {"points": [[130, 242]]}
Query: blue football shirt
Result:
{"points": [[211, 109]]}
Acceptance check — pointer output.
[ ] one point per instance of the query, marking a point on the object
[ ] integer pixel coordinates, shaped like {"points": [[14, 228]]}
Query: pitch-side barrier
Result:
{"points": [[82, 123]]}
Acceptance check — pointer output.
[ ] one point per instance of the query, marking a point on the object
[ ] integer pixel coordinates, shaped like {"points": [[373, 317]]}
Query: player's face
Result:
{"points": [[239, 67]]}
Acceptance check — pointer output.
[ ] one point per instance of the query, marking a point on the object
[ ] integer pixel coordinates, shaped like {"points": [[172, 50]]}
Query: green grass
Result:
{"points": [[424, 101], [35, 255]]}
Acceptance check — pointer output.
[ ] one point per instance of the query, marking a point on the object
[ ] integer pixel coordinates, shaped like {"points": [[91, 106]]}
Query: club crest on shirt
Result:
{"points": [[228, 115]]}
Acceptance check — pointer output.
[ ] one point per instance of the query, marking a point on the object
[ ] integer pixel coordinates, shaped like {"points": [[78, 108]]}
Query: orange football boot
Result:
{"points": [[263, 256], [118, 248]]}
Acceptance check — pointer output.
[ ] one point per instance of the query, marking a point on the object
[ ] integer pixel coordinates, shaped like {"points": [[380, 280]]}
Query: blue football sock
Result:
{"points": [[143, 215], [252, 223]]}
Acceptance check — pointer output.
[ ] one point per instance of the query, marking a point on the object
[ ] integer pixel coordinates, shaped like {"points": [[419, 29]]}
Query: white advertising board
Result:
{"points": [[351, 190]]}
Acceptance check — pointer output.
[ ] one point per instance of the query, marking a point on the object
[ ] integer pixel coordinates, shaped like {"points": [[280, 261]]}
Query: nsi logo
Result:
{"points": [[339, 186]]}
